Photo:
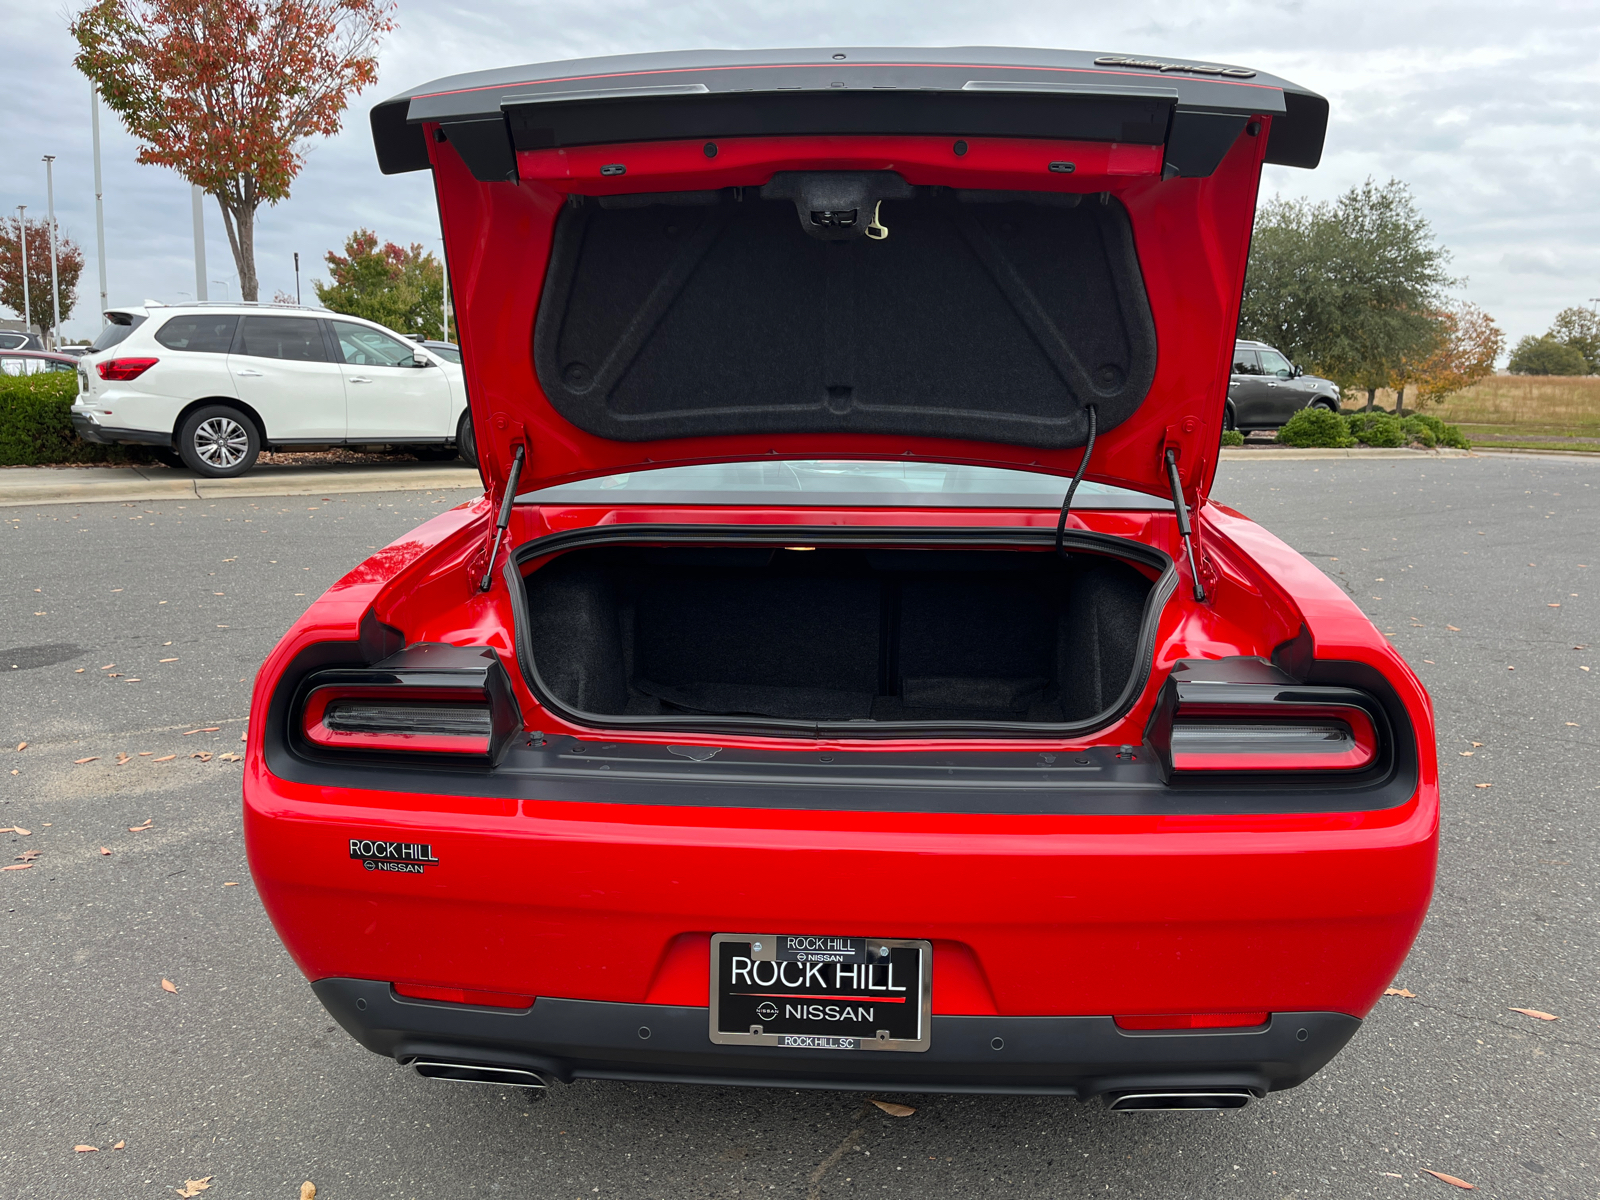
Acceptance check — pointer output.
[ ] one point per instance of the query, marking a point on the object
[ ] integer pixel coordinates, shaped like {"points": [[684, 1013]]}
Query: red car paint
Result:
{"points": [[1169, 921]]}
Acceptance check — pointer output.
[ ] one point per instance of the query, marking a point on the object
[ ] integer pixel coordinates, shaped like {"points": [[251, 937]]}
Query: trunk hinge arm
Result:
{"points": [[507, 500], [1184, 531]]}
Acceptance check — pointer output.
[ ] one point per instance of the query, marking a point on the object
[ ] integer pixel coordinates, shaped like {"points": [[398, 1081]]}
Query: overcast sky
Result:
{"points": [[1489, 110]]}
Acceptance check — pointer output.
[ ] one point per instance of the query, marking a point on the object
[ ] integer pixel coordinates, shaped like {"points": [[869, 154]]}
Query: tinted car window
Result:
{"points": [[206, 332], [13, 341], [364, 347], [445, 351], [298, 339], [51, 364], [115, 332], [1246, 363], [1273, 363]]}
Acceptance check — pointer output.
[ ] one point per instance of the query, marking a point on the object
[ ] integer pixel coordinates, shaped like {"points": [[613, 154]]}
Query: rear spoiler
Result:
{"points": [[1195, 110]]}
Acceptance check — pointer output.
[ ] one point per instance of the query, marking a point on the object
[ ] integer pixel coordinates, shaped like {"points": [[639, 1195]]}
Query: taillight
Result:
{"points": [[1245, 715], [123, 369], [426, 699], [1310, 738]]}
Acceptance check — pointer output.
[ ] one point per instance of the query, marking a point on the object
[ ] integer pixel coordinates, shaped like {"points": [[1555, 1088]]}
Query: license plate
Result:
{"points": [[805, 992]]}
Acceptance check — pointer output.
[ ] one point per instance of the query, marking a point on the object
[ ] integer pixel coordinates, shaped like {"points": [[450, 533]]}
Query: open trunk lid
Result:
{"points": [[969, 255]]}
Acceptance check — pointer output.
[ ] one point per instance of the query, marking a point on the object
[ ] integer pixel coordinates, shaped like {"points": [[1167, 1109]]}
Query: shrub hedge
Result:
{"points": [[1318, 427], [36, 424], [1232, 437]]}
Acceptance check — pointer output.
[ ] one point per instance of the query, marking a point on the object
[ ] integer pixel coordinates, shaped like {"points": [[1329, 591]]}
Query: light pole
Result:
{"points": [[99, 199], [199, 243], [22, 242], [55, 285], [224, 283], [297, 277]]}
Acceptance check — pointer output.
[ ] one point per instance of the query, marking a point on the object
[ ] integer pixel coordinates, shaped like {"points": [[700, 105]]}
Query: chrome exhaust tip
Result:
{"points": [[1125, 1102], [459, 1072]]}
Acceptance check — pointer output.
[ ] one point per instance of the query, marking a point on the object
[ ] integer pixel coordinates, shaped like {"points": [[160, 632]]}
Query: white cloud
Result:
{"points": [[1488, 110]]}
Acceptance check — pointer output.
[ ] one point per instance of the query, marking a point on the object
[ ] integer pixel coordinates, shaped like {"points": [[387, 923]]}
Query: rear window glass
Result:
{"points": [[298, 339], [206, 332], [842, 484], [122, 324], [448, 353]]}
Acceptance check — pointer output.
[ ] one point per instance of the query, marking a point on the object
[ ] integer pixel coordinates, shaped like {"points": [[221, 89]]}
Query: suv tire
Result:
{"points": [[1325, 405], [218, 441], [1228, 420], [467, 440]]}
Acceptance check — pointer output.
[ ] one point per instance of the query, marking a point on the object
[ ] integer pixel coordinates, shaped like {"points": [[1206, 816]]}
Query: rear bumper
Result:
{"points": [[1077, 1056], [105, 435]]}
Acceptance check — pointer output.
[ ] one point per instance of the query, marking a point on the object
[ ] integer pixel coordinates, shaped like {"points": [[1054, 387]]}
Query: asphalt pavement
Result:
{"points": [[134, 629]]}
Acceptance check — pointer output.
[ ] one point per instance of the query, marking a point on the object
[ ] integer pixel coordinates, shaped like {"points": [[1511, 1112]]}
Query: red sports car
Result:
{"points": [[786, 712]]}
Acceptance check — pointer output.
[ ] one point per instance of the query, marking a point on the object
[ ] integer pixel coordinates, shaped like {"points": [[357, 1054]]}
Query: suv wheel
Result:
{"points": [[1324, 405], [1228, 420], [467, 440], [218, 441]]}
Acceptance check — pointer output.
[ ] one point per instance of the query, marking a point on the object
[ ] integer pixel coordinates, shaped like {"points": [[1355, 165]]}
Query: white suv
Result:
{"points": [[216, 383]]}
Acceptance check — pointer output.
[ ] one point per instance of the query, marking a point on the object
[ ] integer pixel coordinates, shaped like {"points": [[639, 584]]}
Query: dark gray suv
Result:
{"points": [[1266, 389]]}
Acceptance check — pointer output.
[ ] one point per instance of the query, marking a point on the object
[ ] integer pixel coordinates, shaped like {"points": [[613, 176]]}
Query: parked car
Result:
{"points": [[32, 362], [782, 714], [1266, 389], [448, 351], [17, 339], [217, 383]]}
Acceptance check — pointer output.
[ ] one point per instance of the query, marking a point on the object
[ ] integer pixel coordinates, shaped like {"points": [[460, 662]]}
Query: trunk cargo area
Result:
{"points": [[836, 634]]}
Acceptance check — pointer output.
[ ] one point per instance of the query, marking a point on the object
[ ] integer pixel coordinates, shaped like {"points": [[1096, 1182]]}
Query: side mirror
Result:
{"points": [[1298, 371], [418, 360]]}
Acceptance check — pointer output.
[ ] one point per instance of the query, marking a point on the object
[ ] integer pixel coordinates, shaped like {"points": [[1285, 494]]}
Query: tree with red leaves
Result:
{"points": [[227, 92], [69, 265]]}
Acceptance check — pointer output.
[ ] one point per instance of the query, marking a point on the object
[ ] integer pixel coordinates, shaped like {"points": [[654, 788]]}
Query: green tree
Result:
{"points": [[1347, 288], [1546, 356], [1580, 329], [394, 286]]}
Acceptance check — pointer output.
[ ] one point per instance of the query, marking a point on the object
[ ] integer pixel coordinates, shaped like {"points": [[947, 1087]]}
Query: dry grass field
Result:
{"points": [[1536, 411]]}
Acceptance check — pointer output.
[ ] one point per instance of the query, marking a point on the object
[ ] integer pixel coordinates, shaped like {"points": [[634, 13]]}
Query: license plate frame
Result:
{"points": [[896, 971]]}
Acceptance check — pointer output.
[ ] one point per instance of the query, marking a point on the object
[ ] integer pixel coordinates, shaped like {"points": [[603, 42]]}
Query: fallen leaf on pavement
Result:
{"points": [[189, 732], [78, 762], [211, 729], [123, 759], [169, 660], [1552, 606], [18, 829], [1451, 1180], [17, 867], [29, 855], [1572, 725], [1466, 754], [308, 1191], [1400, 992], [1534, 1012], [119, 1145], [245, 736], [148, 821], [168, 758], [108, 666], [1457, 628], [230, 757], [103, 850], [203, 756], [146, 753], [22, 745], [230, 884], [168, 986], [86, 1149], [193, 1187], [895, 1110], [1477, 743], [1482, 785], [1390, 1175]]}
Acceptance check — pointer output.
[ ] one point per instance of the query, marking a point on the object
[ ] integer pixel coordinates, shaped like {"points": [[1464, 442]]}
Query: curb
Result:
{"points": [[61, 490], [1235, 453]]}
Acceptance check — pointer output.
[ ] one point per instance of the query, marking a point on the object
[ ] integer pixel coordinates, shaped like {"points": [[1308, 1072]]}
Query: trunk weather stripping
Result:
{"points": [[507, 502], [1183, 519]]}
